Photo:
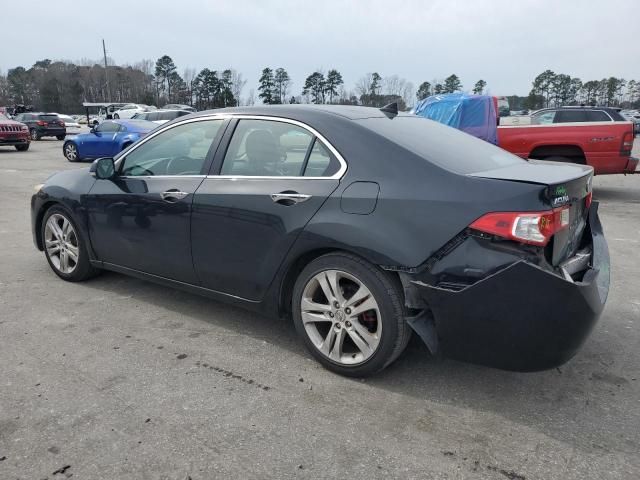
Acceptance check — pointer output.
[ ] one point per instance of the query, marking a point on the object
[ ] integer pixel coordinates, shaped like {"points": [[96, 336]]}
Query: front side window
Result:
{"points": [[181, 150], [269, 148], [545, 118], [108, 127]]}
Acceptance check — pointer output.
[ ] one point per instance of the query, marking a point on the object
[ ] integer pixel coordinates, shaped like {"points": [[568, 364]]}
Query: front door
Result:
{"points": [[141, 218], [99, 143], [274, 177]]}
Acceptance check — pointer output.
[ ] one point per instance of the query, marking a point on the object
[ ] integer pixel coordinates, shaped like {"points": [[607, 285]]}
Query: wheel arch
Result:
{"points": [[575, 152], [39, 218], [300, 261]]}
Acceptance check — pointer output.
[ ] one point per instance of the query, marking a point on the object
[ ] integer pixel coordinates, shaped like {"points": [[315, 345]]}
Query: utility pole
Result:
{"points": [[106, 71]]}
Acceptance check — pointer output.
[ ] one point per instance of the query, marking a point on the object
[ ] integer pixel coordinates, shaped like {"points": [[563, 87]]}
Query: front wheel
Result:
{"points": [[22, 148], [63, 246], [350, 314], [116, 116], [60, 137], [70, 151]]}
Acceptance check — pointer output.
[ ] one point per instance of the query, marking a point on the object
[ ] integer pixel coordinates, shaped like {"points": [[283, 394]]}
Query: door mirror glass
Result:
{"points": [[104, 168]]}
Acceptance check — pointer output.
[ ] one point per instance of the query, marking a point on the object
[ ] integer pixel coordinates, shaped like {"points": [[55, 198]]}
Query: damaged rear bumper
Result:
{"points": [[522, 317]]}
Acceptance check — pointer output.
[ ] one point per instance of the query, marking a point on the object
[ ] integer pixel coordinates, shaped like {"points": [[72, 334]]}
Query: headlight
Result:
{"points": [[38, 187], [24, 128]]}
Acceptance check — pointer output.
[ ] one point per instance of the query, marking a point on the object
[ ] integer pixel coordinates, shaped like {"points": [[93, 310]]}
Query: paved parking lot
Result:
{"points": [[121, 379]]}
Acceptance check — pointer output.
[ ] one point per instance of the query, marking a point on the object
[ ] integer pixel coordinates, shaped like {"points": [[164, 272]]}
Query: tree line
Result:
{"points": [[63, 86]]}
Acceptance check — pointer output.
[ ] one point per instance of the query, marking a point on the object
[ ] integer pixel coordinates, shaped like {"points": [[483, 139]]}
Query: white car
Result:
{"points": [[72, 125], [130, 109], [161, 116]]}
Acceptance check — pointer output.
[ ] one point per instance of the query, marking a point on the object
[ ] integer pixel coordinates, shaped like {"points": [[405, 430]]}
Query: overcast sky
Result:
{"points": [[505, 42]]}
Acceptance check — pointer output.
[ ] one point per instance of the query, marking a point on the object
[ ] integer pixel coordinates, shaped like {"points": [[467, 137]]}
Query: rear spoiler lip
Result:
{"points": [[577, 171]]}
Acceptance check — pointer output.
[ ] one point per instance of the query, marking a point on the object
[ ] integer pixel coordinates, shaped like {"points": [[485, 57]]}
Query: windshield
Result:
{"points": [[445, 146]]}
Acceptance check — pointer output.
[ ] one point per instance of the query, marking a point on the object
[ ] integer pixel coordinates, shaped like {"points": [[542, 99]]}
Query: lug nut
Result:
{"points": [[331, 314], [338, 326], [348, 324], [336, 304], [347, 310]]}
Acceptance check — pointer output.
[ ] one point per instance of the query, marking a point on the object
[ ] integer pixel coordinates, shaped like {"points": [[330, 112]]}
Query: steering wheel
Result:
{"points": [[184, 172]]}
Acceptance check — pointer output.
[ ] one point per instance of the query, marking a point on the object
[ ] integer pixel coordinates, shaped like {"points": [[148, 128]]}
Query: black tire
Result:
{"points": [[35, 135], [60, 137], [116, 116], [68, 149], [386, 291], [83, 269], [22, 148]]}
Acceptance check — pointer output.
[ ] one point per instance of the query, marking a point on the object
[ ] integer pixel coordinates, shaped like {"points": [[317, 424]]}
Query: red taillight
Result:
{"points": [[42, 123], [627, 143], [534, 228], [61, 123], [587, 200]]}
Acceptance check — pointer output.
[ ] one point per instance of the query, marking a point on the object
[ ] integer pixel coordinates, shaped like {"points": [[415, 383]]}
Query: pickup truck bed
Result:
{"points": [[605, 146]]}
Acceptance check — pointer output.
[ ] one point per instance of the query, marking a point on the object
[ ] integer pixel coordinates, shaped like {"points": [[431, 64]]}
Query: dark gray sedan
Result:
{"points": [[363, 225]]}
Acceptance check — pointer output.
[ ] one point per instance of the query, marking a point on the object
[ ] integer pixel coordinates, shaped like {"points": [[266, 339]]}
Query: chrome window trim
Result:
{"points": [[240, 116]]}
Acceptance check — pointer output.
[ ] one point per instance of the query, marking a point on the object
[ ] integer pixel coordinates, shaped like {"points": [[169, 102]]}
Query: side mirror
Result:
{"points": [[103, 168]]}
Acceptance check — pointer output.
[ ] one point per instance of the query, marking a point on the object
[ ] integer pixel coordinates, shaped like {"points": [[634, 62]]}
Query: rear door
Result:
{"points": [[273, 177]]}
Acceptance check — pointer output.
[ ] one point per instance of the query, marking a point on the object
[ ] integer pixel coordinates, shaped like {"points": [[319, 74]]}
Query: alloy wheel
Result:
{"points": [[341, 317], [71, 152], [61, 243]]}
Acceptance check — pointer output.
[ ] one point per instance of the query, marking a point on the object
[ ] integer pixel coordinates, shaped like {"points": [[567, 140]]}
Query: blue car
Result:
{"points": [[106, 139]]}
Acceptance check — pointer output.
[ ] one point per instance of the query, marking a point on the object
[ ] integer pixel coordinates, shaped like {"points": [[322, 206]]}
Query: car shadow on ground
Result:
{"points": [[542, 400], [619, 194]]}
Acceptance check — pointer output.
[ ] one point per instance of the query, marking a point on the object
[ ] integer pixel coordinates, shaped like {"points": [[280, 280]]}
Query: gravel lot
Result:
{"points": [[121, 379]]}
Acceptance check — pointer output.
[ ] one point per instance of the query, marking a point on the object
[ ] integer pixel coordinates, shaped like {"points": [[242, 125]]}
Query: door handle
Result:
{"points": [[289, 198], [173, 195]]}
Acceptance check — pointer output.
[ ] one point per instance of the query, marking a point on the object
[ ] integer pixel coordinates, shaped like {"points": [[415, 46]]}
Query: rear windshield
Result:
{"points": [[444, 146], [48, 118]]}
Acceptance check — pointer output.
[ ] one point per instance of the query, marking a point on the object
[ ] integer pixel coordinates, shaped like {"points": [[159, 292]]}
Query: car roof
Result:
{"points": [[302, 112]]}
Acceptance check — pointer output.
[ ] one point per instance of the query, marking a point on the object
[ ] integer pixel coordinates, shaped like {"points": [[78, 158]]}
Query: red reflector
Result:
{"points": [[41, 123], [534, 228], [588, 199]]}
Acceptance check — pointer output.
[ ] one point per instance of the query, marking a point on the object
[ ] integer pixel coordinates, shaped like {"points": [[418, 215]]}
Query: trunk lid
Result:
{"points": [[564, 186]]}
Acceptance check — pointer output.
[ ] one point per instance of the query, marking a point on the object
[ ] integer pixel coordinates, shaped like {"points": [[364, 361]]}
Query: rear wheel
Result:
{"points": [[22, 148], [70, 151], [60, 137], [63, 246], [35, 135], [350, 314], [116, 116]]}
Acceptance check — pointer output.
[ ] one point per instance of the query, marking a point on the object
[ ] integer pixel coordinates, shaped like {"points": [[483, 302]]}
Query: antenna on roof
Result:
{"points": [[391, 108]]}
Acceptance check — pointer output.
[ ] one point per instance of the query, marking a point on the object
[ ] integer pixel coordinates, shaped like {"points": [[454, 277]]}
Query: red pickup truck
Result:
{"points": [[605, 145]]}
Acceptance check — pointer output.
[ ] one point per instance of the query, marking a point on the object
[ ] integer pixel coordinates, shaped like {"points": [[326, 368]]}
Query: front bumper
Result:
{"points": [[21, 139], [522, 318]]}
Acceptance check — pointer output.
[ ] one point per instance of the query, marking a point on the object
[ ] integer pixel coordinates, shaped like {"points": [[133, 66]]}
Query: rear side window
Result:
{"points": [[544, 118], [568, 116], [597, 116], [266, 148], [320, 162], [439, 144]]}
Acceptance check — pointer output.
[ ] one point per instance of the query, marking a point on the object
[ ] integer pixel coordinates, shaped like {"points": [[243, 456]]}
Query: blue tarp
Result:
{"points": [[473, 114]]}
